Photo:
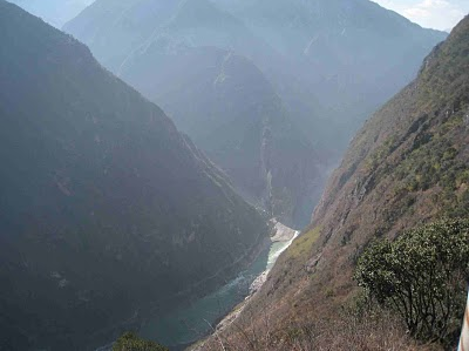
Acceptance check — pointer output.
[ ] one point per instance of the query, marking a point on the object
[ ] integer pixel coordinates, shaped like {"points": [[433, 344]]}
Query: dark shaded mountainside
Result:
{"points": [[107, 212], [407, 166], [217, 69]]}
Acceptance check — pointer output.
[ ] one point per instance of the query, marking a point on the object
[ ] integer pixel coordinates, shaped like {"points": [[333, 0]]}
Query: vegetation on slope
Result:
{"points": [[423, 276], [406, 167], [129, 341]]}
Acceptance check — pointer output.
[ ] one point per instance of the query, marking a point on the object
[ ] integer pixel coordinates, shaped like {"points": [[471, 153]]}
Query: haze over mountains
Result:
{"points": [[107, 210], [302, 47], [345, 53], [142, 169], [323, 64]]}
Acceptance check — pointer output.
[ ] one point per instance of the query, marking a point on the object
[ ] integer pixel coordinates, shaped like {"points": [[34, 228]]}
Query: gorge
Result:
{"points": [[211, 174], [179, 329]]}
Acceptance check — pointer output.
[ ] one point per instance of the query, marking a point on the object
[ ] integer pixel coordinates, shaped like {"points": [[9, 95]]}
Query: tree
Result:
{"points": [[129, 341], [423, 275]]}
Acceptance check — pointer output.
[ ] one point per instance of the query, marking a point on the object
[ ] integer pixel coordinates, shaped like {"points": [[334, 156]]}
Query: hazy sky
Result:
{"points": [[438, 14]]}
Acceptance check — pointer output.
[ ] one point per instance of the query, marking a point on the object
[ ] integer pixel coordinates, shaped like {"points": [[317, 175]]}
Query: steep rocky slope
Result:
{"points": [[407, 166], [107, 212]]}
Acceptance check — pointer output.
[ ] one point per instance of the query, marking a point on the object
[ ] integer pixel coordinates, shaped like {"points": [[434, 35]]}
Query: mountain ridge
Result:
{"points": [[107, 210]]}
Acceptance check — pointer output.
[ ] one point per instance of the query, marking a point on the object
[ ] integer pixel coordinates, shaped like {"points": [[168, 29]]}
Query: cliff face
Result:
{"points": [[107, 211], [407, 166]]}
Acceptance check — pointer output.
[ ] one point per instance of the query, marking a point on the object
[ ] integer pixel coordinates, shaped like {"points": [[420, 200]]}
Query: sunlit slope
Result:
{"points": [[407, 166]]}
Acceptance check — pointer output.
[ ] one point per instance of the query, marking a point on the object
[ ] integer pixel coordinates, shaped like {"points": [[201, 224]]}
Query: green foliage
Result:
{"points": [[381, 153], [423, 275], [129, 341], [442, 75], [302, 245]]}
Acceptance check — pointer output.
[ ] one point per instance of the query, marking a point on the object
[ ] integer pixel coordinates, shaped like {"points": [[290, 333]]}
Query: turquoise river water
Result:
{"points": [[183, 327]]}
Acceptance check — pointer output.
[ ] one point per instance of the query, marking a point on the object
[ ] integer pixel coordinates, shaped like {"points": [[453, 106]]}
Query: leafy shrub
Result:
{"points": [[423, 275], [129, 341]]}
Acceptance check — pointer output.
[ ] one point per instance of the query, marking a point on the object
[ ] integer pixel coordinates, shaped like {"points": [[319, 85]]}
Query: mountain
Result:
{"points": [[224, 103], [227, 106], [109, 214], [406, 167], [203, 23], [345, 53], [113, 29], [55, 12], [330, 63]]}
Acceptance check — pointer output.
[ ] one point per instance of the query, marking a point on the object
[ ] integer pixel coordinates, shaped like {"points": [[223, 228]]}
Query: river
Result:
{"points": [[184, 326]]}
